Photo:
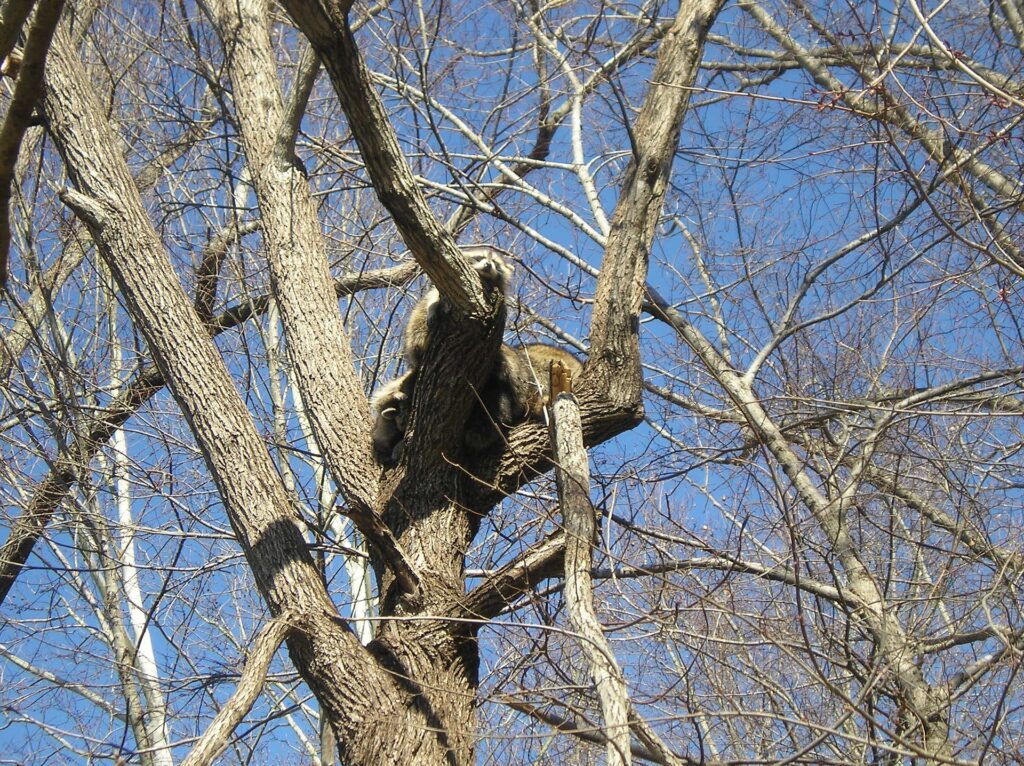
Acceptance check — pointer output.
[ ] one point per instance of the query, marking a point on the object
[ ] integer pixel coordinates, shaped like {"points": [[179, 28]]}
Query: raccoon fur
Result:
{"points": [[495, 274], [504, 400], [391, 403], [501, 397], [539, 357]]}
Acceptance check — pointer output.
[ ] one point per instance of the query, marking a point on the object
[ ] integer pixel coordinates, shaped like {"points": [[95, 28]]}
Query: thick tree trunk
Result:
{"points": [[349, 682]]}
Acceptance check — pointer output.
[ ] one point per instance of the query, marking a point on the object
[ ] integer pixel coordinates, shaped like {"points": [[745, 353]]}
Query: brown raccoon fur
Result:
{"points": [[539, 358]]}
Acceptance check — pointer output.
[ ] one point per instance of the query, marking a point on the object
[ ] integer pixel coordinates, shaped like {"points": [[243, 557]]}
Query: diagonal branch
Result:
{"points": [[216, 737], [339, 671], [326, 24], [615, 350], [503, 587], [19, 114]]}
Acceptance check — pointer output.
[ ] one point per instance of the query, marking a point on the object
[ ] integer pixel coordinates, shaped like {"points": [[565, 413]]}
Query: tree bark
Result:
{"points": [[215, 738], [410, 696], [343, 675], [572, 475], [318, 347]]}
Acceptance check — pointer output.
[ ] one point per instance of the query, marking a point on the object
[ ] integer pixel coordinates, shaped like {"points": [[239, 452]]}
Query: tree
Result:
{"points": [[784, 237]]}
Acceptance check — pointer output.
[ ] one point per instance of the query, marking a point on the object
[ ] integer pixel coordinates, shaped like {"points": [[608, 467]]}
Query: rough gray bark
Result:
{"points": [[19, 112], [339, 670], [318, 347]]}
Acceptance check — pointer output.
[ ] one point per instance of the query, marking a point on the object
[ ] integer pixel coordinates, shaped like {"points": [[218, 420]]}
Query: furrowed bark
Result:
{"points": [[342, 674], [318, 346], [19, 114], [572, 475], [327, 26]]}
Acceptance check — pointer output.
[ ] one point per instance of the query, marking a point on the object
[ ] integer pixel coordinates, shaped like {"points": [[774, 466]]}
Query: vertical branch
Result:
{"points": [[615, 347], [128, 569], [19, 114], [572, 476], [318, 347], [97, 546]]}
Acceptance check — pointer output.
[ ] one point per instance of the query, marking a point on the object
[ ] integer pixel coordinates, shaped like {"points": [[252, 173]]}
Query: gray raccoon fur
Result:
{"points": [[495, 274], [391, 403], [503, 395]]}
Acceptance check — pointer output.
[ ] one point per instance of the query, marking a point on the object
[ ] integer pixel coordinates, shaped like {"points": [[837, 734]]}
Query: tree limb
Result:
{"points": [[98, 428], [572, 475], [326, 24], [317, 343], [339, 671], [217, 735], [615, 350], [19, 114]]}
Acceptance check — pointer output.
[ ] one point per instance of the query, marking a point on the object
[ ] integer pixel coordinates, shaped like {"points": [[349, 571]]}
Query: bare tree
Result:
{"points": [[785, 238]]}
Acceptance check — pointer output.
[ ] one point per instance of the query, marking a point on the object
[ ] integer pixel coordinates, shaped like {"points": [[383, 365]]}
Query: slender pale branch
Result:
{"points": [[217, 736], [572, 476]]}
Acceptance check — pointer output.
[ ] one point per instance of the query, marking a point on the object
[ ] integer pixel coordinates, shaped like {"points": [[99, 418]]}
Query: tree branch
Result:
{"points": [[98, 428], [326, 25], [572, 475], [615, 349], [502, 588], [318, 345], [217, 736], [19, 114], [340, 671]]}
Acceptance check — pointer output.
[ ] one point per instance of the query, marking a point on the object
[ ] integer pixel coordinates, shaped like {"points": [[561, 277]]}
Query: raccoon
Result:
{"points": [[539, 357], [495, 274], [502, 397], [504, 400], [391, 404]]}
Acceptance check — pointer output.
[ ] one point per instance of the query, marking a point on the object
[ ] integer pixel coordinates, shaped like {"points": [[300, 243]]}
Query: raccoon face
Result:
{"points": [[494, 270]]}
